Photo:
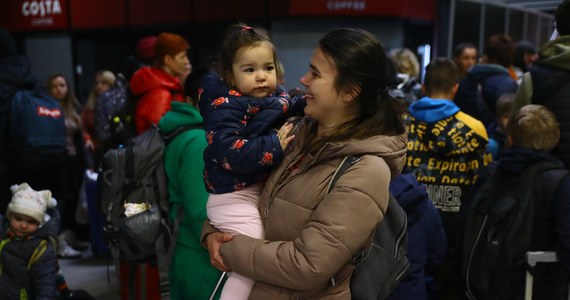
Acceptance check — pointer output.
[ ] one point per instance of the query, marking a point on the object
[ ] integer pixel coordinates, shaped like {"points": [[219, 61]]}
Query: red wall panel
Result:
{"points": [[418, 9], [149, 12], [207, 10], [97, 13]]}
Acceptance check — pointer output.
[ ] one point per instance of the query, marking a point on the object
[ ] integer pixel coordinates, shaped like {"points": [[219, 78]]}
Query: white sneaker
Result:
{"points": [[65, 251]]}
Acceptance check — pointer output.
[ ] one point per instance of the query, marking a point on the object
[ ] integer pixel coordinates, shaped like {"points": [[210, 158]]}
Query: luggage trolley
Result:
{"points": [[532, 259]]}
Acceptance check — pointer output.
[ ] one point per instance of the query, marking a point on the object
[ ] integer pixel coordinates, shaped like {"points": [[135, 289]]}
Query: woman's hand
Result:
{"points": [[283, 135], [214, 241]]}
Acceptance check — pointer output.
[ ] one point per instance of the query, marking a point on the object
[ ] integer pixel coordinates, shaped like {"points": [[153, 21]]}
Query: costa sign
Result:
{"points": [[33, 14], [41, 8]]}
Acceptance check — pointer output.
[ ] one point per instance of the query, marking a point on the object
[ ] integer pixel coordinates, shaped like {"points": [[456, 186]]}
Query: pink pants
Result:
{"points": [[237, 213]]}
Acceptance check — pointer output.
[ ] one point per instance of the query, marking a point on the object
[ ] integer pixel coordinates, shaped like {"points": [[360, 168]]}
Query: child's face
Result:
{"points": [[22, 225], [253, 71]]}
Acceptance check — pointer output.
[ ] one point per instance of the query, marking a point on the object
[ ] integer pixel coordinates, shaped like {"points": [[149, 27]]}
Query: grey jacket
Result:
{"points": [[23, 274]]}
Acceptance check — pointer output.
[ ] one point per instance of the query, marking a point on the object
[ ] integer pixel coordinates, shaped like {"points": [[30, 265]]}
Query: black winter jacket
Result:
{"points": [[36, 281]]}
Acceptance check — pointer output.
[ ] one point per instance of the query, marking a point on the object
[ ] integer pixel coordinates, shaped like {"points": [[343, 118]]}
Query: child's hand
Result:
{"points": [[283, 135]]}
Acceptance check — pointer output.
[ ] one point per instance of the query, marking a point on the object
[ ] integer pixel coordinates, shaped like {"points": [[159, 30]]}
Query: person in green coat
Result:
{"points": [[191, 275]]}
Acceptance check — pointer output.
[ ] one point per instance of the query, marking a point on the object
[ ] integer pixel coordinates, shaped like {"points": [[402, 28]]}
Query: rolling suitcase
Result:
{"points": [[532, 259]]}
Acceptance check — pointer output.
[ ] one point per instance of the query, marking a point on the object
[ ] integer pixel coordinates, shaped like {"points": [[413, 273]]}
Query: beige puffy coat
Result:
{"points": [[311, 236]]}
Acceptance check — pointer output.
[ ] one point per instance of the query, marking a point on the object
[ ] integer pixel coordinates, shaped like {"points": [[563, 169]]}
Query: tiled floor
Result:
{"points": [[90, 273]]}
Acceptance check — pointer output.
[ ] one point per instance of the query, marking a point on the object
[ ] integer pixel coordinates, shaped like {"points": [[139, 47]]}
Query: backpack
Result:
{"points": [[380, 266], [122, 121], [133, 175], [36, 129], [107, 106], [497, 232]]}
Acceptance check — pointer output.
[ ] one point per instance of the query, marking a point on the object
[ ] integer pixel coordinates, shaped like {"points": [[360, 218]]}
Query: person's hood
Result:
{"points": [[391, 148], [51, 226], [411, 195], [434, 113], [482, 71], [149, 78], [181, 114], [432, 110], [556, 53], [16, 74], [514, 160]]}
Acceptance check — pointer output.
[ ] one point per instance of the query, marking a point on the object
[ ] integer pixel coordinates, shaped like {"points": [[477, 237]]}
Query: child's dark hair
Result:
{"points": [[241, 35], [441, 76], [504, 105], [500, 50], [192, 84]]}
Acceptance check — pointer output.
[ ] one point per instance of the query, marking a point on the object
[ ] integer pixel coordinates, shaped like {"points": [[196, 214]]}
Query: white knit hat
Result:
{"points": [[31, 203]]}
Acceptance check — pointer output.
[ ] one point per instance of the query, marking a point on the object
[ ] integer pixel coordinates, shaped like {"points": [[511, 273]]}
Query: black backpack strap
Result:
{"points": [[168, 138], [344, 165]]}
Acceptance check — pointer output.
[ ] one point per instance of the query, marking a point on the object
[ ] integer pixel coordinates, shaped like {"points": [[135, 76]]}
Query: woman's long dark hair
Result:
{"points": [[360, 61]]}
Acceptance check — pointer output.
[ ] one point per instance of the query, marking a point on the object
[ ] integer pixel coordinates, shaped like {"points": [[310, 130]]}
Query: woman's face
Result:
{"points": [[100, 85], [177, 64], [58, 88], [324, 103]]}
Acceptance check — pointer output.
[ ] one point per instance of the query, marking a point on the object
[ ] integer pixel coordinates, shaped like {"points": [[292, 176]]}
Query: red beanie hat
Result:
{"points": [[170, 44], [145, 48]]}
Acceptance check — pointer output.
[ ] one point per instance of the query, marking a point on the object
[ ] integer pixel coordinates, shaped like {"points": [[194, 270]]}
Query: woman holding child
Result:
{"points": [[311, 235]]}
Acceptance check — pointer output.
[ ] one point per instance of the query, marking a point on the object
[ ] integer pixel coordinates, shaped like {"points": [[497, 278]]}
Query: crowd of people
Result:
{"points": [[252, 175]]}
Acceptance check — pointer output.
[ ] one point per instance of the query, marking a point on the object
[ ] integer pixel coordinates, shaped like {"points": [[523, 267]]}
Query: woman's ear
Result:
{"points": [[351, 93]]}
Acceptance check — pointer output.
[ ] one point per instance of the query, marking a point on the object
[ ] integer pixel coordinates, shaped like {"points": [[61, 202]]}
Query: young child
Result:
{"points": [[497, 130], [532, 132], [240, 113], [446, 151], [28, 259]]}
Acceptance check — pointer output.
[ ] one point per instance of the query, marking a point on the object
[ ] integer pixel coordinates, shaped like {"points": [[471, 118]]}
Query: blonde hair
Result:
{"points": [[405, 61], [534, 127], [69, 103], [107, 77]]}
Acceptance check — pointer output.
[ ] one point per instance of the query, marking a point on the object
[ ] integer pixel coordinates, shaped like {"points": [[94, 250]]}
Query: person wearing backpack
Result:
{"points": [[156, 87], [494, 256], [30, 152], [548, 81], [191, 275], [486, 82], [427, 245], [312, 234]]}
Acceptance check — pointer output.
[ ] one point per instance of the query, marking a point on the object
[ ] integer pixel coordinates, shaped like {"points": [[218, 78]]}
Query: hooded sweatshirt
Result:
{"points": [[311, 235], [446, 151], [155, 90], [548, 84], [494, 81], [191, 274]]}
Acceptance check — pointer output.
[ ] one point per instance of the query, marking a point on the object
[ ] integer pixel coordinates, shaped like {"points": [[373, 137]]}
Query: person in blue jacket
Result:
{"points": [[427, 245]]}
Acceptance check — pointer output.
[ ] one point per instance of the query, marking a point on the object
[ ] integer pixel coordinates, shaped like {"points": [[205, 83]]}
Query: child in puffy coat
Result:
{"points": [[427, 245], [27, 255]]}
